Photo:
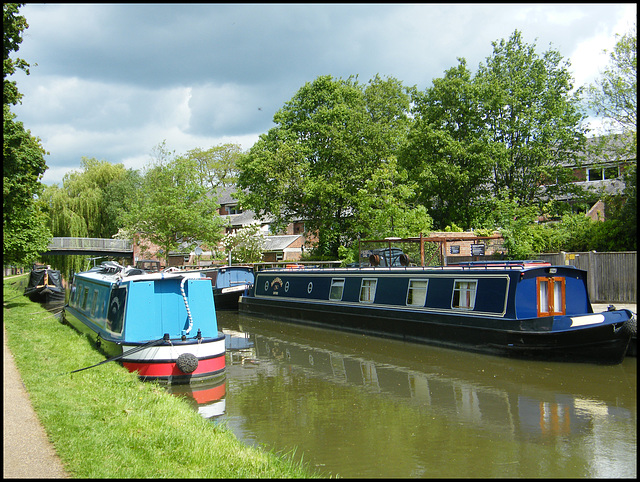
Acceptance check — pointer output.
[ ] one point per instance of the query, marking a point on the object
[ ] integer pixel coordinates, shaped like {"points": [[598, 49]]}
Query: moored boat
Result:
{"points": [[228, 284], [525, 309], [45, 285], [161, 325]]}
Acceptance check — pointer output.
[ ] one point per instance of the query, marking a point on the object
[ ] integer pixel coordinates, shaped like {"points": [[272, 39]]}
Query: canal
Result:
{"points": [[358, 406]]}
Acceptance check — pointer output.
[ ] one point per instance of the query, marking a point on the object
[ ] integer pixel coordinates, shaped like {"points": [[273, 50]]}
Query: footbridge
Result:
{"points": [[119, 248]]}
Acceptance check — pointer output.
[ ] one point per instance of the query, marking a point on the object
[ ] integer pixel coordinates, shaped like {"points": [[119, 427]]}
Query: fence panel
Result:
{"points": [[612, 277]]}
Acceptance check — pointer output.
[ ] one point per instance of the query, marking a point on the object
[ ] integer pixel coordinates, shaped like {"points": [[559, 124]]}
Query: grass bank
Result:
{"points": [[105, 423]]}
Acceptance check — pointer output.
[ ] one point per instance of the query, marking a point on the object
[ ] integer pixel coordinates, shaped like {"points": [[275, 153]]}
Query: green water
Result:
{"points": [[359, 406]]}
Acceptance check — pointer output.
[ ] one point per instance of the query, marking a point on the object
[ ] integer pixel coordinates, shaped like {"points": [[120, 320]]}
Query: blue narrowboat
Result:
{"points": [[525, 309], [228, 283], [162, 325]]}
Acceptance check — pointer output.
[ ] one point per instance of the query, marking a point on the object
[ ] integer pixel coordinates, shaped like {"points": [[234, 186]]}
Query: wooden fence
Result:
{"points": [[611, 277]]}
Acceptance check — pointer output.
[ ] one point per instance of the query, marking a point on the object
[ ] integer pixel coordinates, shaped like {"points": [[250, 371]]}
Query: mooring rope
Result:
{"points": [[117, 357]]}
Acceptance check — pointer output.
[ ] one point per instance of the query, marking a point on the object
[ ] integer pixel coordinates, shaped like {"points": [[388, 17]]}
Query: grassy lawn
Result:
{"points": [[105, 423]]}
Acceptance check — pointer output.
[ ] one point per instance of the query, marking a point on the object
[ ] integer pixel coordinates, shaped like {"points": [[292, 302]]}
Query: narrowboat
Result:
{"points": [[228, 283], [45, 285], [161, 325], [524, 309]]}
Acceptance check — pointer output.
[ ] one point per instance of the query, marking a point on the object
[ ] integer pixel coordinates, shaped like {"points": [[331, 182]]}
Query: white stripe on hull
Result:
{"points": [[172, 352]]}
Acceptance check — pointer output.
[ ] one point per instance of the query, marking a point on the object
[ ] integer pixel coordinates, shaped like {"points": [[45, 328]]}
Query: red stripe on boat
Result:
{"points": [[150, 369]]}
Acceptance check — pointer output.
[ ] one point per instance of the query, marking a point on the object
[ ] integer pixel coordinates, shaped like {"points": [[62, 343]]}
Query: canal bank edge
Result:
{"points": [[27, 452]]}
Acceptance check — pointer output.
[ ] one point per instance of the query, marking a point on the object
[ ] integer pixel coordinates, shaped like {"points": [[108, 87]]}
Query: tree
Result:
{"points": [[505, 130], [614, 94], [328, 140], [217, 165], [532, 113], [447, 155], [173, 208], [24, 231], [614, 97]]}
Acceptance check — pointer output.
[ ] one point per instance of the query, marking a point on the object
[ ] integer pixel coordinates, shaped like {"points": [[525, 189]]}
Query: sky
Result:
{"points": [[113, 81]]}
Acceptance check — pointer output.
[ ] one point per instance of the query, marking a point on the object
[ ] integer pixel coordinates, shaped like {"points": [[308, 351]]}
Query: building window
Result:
{"points": [[417, 292], [551, 296], [337, 288], [602, 173], [464, 294], [233, 209], [368, 290]]}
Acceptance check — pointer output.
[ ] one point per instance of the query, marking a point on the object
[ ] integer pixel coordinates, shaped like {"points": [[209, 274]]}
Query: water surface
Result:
{"points": [[360, 406]]}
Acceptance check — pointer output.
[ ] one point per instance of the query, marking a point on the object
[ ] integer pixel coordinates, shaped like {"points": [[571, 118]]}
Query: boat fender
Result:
{"points": [[630, 326], [187, 363]]}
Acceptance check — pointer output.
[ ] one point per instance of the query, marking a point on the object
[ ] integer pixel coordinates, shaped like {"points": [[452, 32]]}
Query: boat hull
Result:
{"points": [[159, 362], [527, 339], [48, 294]]}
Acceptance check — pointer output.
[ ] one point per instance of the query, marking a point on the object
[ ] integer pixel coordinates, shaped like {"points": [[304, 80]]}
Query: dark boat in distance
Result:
{"points": [[161, 325], [45, 285], [524, 309]]}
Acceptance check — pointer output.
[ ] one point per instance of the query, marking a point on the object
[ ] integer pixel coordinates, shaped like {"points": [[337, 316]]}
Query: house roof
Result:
{"points": [[279, 243]]}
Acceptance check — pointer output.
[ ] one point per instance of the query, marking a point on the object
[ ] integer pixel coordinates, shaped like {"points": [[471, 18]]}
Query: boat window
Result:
{"points": [[337, 287], [93, 302], [464, 294], [417, 293], [368, 290], [84, 298], [551, 296], [115, 315]]}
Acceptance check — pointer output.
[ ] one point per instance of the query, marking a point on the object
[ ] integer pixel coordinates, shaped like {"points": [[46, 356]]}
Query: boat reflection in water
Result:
{"points": [[530, 401], [208, 398]]}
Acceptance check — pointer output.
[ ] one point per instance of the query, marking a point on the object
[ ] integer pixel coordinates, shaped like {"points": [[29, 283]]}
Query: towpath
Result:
{"points": [[27, 452]]}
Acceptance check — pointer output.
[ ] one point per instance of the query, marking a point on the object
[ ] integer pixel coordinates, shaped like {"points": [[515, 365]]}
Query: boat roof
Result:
{"points": [[111, 272]]}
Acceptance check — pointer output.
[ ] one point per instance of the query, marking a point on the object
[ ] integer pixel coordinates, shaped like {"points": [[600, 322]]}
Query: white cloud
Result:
{"points": [[114, 80]]}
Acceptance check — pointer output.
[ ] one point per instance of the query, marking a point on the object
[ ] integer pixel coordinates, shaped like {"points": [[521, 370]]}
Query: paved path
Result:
{"points": [[27, 452]]}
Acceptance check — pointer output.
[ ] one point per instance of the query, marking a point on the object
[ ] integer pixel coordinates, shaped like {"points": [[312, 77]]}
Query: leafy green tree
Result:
{"points": [[502, 131], [384, 205], [90, 203], [328, 140], [447, 155], [614, 97], [24, 231], [217, 165], [532, 113], [173, 208], [614, 94]]}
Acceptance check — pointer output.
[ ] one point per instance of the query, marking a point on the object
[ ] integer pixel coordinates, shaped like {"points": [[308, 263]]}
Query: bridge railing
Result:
{"points": [[103, 244]]}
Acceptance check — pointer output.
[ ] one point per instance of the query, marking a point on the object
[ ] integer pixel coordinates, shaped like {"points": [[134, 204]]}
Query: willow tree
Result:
{"points": [[90, 204]]}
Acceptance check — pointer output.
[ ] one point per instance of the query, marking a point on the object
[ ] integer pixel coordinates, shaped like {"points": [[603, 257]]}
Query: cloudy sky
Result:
{"points": [[111, 81]]}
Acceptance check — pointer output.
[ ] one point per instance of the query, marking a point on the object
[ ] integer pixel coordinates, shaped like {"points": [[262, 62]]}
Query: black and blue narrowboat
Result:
{"points": [[524, 309], [161, 325]]}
